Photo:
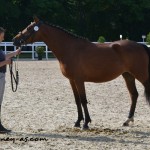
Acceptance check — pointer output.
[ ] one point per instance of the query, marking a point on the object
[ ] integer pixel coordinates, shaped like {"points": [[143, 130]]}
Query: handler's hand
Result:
{"points": [[18, 51]]}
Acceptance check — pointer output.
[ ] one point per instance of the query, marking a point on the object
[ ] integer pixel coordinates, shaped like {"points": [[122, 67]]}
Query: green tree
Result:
{"points": [[85, 17]]}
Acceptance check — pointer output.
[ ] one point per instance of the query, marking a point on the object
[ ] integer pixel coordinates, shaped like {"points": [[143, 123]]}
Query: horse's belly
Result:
{"points": [[104, 75], [100, 78]]}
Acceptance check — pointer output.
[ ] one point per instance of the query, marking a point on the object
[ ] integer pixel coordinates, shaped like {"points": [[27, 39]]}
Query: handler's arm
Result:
{"points": [[5, 62], [10, 55]]}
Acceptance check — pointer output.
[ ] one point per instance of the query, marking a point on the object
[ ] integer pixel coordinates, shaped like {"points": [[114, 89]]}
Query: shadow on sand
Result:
{"points": [[92, 135]]}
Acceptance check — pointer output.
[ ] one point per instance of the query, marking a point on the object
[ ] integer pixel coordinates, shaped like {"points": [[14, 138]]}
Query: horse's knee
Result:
{"points": [[134, 95], [84, 102]]}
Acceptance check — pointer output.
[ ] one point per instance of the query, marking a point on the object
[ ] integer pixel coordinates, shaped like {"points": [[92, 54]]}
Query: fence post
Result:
{"points": [[5, 48], [33, 51], [46, 52]]}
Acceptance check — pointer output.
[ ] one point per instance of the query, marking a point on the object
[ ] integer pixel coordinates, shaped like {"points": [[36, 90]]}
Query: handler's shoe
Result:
{"points": [[3, 130]]}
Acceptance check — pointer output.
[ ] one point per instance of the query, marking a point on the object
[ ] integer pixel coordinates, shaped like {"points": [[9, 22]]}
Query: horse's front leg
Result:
{"points": [[78, 103], [81, 91]]}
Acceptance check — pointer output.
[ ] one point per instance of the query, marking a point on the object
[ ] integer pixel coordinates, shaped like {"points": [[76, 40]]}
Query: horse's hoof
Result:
{"points": [[85, 127], [77, 125], [128, 122], [125, 124]]}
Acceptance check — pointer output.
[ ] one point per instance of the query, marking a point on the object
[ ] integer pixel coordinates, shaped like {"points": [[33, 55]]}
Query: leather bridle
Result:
{"points": [[32, 31]]}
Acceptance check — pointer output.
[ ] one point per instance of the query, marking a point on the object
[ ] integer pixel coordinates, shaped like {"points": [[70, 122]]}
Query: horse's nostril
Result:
{"points": [[21, 41]]}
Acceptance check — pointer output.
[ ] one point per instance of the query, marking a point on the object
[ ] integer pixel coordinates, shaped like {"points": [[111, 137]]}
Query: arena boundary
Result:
{"points": [[6, 46]]}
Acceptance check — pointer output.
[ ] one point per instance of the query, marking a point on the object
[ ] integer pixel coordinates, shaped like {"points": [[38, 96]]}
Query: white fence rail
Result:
{"points": [[6, 46], [33, 46]]}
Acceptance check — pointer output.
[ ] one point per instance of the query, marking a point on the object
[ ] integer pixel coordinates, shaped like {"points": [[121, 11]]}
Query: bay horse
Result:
{"points": [[83, 61]]}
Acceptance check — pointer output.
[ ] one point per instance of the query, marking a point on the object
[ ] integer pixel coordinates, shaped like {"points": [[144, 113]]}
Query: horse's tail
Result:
{"points": [[147, 83]]}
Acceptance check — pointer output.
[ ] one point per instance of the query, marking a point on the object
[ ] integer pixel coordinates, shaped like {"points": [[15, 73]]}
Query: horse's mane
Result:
{"points": [[66, 31]]}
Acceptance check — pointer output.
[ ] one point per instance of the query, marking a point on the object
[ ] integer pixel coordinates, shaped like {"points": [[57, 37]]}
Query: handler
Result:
{"points": [[4, 61]]}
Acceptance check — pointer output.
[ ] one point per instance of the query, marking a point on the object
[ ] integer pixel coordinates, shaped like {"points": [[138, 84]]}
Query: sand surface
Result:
{"points": [[42, 113]]}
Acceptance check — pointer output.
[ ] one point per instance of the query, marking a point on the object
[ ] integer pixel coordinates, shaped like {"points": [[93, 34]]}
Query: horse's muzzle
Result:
{"points": [[16, 42]]}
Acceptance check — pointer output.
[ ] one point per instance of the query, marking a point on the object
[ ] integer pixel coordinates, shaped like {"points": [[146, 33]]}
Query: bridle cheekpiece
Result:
{"points": [[31, 31]]}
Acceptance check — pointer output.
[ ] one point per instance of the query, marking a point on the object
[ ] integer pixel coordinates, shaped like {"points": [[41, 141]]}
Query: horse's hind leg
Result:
{"points": [[130, 83], [146, 84], [78, 103]]}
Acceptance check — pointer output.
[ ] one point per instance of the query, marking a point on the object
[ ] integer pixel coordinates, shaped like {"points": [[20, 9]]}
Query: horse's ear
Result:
{"points": [[36, 19]]}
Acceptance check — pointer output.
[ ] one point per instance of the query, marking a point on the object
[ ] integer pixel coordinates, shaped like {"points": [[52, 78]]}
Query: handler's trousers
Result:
{"points": [[2, 86]]}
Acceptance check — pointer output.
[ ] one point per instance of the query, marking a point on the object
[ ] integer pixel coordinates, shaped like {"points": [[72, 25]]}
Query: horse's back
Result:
{"points": [[132, 53], [107, 61], [129, 52]]}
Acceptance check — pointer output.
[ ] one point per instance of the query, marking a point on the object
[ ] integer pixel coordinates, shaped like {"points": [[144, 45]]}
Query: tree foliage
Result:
{"points": [[148, 38], [88, 18]]}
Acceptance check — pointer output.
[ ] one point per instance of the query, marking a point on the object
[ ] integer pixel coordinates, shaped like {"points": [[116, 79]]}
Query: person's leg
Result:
{"points": [[2, 88]]}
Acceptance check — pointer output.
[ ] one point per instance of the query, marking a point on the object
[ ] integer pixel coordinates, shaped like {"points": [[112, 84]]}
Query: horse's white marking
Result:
{"points": [[129, 120]]}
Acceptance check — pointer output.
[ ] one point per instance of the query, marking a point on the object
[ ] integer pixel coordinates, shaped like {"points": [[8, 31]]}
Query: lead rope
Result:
{"points": [[14, 76]]}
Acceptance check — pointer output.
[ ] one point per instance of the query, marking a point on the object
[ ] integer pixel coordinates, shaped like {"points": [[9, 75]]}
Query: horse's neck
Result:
{"points": [[62, 44]]}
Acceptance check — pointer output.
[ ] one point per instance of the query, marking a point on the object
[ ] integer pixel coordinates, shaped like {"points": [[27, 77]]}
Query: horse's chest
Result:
{"points": [[66, 70]]}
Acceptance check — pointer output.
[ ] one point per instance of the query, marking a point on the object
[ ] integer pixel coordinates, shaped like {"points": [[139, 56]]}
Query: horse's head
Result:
{"points": [[29, 35]]}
